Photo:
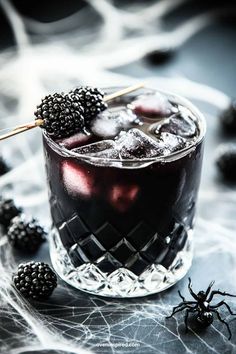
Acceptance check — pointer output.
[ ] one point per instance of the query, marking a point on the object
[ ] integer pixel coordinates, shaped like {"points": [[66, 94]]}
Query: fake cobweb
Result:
{"points": [[90, 54]]}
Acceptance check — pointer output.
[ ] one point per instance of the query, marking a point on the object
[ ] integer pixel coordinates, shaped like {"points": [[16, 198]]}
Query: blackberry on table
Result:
{"points": [[159, 56], [35, 280], [4, 168], [226, 161], [63, 115], [25, 234], [92, 101], [228, 118], [8, 210]]}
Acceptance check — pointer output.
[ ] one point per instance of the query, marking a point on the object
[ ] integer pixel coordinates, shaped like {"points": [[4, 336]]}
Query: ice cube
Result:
{"points": [[154, 106], [103, 148], [78, 180], [75, 140], [171, 143], [105, 127], [110, 122], [136, 144], [132, 144], [179, 124], [122, 196]]}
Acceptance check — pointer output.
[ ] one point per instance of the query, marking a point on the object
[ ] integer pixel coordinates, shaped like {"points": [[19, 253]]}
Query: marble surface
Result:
{"points": [[203, 69]]}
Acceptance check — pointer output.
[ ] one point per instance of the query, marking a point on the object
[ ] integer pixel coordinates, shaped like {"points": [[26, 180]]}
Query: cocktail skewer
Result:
{"points": [[38, 122]]}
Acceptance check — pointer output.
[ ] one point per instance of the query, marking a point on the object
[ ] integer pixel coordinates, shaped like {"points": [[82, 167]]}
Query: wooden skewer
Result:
{"points": [[30, 125], [27, 126], [22, 128], [123, 92]]}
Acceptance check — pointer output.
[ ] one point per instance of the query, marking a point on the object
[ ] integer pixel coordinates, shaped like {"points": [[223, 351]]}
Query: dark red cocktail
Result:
{"points": [[123, 196]]}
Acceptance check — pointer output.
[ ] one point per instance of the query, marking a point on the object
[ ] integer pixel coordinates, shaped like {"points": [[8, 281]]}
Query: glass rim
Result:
{"points": [[62, 150]]}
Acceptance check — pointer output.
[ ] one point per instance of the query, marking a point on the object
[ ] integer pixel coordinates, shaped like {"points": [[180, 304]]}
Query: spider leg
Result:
{"points": [[180, 307], [218, 292], [185, 301], [180, 295], [191, 290], [223, 321], [225, 304], [209, 287], [186, 318], [176, 309]]}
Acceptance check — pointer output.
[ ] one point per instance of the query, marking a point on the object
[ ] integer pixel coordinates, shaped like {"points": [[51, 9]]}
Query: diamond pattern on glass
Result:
{"points": [[70, 228], [78, 257], [109, 249], [90, 275], [137, 264], [123, 251], [92, 248], [178, 237], [108, 236], [77, 227], [57, 214], [153, 276], [108, 263], [140, 235], [155, 250], [120, 282]]}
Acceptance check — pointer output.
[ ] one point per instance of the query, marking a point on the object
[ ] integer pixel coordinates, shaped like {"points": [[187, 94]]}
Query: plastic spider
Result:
{"points": [[202, 307]]}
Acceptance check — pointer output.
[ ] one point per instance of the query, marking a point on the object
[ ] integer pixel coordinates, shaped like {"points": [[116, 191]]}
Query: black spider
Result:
{"points": [[202, 306]]}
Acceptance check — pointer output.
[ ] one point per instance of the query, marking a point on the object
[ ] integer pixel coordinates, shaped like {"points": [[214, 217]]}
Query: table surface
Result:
{"points": [[203, 69]]}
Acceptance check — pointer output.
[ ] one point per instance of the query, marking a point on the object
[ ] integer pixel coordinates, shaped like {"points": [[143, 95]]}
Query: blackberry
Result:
{"points": [[226, 161], [63, 115], [8, 210], [25, 235], [35, 280], [4, 168], [159, 56], [92, 101], [228, 118]]}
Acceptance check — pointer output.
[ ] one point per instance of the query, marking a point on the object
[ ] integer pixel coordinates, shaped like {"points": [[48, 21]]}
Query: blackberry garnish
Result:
{"points": [[92, 101], [4, 168], [63, 115], [25, 235], [226, 161], [228, 118], [8, 210], [35, 280], [159, 56]]}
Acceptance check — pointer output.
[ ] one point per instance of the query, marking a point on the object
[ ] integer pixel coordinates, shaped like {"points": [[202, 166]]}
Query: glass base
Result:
{"points": [[122, 283]]}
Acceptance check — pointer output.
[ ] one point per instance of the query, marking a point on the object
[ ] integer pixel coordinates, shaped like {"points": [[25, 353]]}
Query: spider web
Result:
{"points": [[72, 320]]}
